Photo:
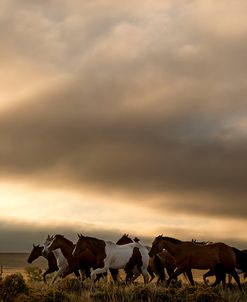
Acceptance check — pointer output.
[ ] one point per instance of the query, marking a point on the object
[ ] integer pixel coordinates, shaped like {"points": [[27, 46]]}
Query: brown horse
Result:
{"points": [[52, 263], [189, 255], [241, 266], [84, 262]]}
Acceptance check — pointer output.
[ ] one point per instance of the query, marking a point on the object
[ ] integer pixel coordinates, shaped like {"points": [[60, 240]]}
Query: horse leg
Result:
{"points": [[220, 274], [77, 274], [159, 269], [210, 273], [170, 269], [150, 271], [49, 271], [98, 271], [175, 274], [114, 274], [190, 276], [144, 272], [236, 278], [95, 272]]}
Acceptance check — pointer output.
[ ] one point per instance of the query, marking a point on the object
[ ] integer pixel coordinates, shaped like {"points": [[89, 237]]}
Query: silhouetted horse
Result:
{"points": [[52, 262], [189, 255]]}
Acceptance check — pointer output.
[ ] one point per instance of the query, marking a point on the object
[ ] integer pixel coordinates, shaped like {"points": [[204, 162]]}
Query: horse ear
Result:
{"points": [[38, 245], [34, 245], [48, 237]]}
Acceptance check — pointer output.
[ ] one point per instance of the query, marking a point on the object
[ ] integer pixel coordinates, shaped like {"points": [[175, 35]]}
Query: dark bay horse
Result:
{"points": [[241, 257], [111, 255], [189, 255], [52, 262]]}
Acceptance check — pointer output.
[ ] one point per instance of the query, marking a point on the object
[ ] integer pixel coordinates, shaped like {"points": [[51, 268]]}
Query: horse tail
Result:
{"points": [[241, 260], [159, 268]]}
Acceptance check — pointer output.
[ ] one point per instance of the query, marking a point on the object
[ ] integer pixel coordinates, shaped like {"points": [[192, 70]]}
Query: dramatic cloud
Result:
{"points": [[143, 99]]}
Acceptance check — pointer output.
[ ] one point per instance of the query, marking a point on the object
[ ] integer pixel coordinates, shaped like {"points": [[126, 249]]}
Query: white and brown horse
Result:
{"points": [[130, 257], [155, 265], [61, 259]]}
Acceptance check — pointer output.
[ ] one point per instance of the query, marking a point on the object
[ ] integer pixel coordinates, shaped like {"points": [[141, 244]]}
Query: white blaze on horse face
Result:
{"points": [[47, 243]]}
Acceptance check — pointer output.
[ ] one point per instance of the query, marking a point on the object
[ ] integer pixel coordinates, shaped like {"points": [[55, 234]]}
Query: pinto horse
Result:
{"points": [[62, 262], [155, 265], [189, 255], [111, 255], [52, 263]]}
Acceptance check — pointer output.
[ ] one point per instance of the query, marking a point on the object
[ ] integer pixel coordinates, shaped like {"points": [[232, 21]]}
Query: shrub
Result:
{"points": [[34, 273], [70, 285], [55, 295], [12, 286]]}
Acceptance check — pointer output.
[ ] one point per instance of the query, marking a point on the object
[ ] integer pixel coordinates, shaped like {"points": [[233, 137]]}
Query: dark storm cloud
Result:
{"points": [[89, 139], [152, 105]]}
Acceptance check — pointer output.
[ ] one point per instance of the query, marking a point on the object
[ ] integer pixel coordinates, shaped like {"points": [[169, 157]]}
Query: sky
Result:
{"points": [[123, 117]]}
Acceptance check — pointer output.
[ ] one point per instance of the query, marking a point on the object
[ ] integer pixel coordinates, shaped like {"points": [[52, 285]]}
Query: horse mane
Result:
{"points": [[201, 242], [171, 239], [68, 242]]}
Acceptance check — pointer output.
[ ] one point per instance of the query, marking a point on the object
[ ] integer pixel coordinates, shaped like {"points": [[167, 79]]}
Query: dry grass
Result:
{"points": [[70, 289]]}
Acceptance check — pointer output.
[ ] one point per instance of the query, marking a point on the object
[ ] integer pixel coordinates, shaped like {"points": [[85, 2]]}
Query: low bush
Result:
{"points": [[12, 286], [34, 273], [70, 285]]}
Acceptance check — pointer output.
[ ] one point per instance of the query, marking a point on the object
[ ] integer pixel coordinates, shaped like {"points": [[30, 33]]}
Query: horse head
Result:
{"points": [[125, 239], [136, 239], [35, 253], [156, 246]]}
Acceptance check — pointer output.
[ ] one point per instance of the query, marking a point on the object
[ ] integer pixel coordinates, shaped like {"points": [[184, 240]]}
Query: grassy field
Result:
{"points": [[17, 286]]}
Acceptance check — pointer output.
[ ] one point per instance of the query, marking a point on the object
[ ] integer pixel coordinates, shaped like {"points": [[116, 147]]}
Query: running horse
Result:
{"points": [[83, 262], [241, 266], [155, 265], [52, 262], [130, 257], [60, 255], [189, 255]]}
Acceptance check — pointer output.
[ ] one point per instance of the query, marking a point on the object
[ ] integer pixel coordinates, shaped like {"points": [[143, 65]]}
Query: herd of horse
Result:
{"points": [[93, 258]]}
